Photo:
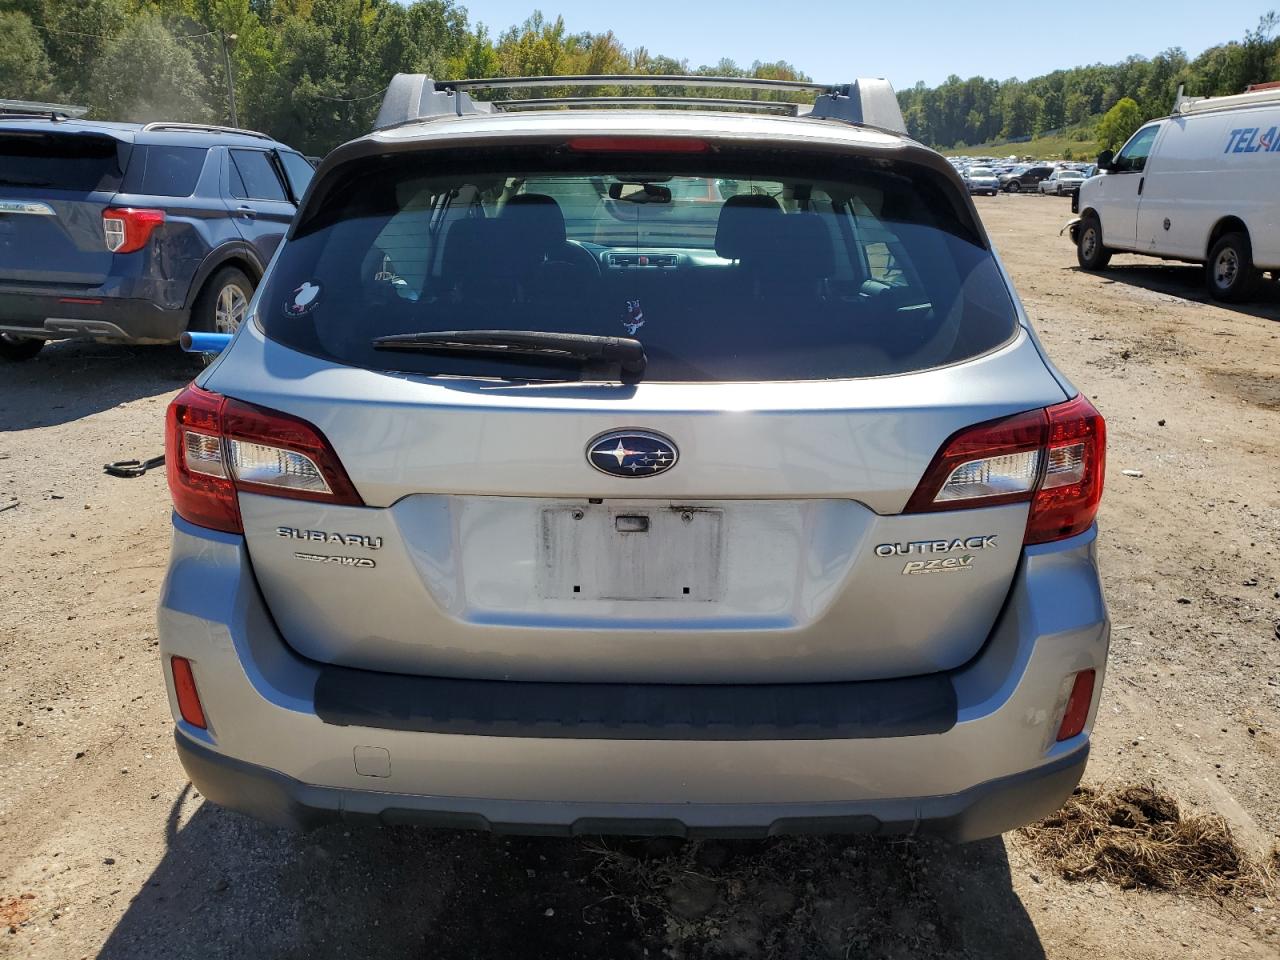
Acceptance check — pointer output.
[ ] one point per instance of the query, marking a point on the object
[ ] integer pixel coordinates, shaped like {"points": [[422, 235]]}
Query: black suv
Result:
{"points": [[133, 233], [1022, 178]]}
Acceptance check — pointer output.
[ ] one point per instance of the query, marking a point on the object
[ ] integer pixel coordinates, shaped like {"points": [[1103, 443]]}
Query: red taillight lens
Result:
{"points": [[1077, 712], [216, 447], [126, 229], [638, 145], [184, 685], [988, 464], [195, 462], [1054, 458], [1075, 461], [277, 454]]}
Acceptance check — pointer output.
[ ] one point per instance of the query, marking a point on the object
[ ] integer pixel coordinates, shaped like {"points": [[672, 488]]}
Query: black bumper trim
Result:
{"points": [[137, 321], [909, 707], [984, 810]]}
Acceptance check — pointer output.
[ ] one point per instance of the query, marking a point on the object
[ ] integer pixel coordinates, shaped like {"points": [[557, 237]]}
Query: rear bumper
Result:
{"points": [[278, 749], [58, 316], [983, 810]]}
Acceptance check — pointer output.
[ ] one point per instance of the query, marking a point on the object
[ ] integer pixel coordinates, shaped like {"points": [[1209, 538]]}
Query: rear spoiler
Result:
{"points": [[415, 97]]}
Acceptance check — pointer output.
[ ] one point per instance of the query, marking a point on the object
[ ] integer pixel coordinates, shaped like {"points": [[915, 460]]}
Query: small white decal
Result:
{"points": [[633, 317], [304, 299]]}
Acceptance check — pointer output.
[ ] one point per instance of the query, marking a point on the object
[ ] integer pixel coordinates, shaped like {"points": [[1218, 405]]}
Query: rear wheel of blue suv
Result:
{"points": [[129, 233]]}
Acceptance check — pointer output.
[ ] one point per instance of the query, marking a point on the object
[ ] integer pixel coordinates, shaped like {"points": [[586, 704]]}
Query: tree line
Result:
{"points": [[312, 72], [982, 110], [309, 72]]}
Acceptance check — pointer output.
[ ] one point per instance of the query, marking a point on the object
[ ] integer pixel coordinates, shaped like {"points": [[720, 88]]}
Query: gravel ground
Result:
{"points": [[106, 850]]}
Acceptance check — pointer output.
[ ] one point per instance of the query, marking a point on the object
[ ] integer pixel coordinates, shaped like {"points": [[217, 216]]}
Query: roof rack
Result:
{"points": [[415, 97], [202, 128], [635, 80], [723, 103], [51, 111], [1254, 96]]}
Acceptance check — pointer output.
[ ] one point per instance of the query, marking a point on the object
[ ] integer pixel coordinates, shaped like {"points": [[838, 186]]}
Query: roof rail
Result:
{"points": [[868, 102], [30, 108], [202, 128]]}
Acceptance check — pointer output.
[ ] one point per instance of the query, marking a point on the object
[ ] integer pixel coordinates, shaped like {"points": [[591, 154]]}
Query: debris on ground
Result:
{"points": [[1140, 836]]}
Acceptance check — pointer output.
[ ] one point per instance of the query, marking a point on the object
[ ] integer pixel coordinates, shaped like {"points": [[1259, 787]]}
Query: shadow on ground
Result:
{"points": [[72, 379], [1186, 282], [228, 887]]}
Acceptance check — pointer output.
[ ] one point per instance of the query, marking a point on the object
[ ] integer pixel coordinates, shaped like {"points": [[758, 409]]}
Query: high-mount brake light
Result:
{"points": [[216, 447], [1054, 458], [127, 229], [638, 145]]}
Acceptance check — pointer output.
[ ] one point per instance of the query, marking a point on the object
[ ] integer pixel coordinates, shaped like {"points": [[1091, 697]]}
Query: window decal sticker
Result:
{"points": [[303, 300], [633, 317]]}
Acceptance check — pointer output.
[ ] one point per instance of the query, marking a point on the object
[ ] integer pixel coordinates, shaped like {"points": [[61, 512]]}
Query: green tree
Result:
{"points": [[24, 66], [1119, 124], [145, 74]]}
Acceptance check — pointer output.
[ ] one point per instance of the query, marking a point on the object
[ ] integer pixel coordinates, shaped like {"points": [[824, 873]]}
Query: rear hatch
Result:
{"points": [[737, 512], [54, 185]]}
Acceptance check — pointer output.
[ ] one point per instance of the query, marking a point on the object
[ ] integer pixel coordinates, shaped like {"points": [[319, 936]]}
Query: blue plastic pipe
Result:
{"points": [[213, 343]]}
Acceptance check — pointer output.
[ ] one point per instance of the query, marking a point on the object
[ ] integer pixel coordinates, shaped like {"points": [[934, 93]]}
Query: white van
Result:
{"points": [[1201, 185]]}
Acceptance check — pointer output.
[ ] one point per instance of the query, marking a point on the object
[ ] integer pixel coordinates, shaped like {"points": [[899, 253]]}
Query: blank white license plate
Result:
{"points": [[629, 552]]}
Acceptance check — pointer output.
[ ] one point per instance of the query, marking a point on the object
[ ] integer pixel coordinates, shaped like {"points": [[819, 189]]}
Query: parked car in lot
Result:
{"points": [[1201, 185], [1025, 178], [134, 233], [1060, 182], [982, 180], [537, 495]]}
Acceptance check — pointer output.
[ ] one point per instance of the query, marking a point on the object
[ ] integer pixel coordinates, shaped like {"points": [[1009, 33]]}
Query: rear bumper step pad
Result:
{"points": [[913, 706]]}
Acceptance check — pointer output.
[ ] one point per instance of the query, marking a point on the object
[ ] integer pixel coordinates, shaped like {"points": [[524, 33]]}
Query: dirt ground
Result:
{"points": [[106, 850]]}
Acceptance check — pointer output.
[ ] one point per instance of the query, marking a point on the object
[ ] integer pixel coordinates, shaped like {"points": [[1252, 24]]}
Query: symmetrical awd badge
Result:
{"points": [[632, 453]]}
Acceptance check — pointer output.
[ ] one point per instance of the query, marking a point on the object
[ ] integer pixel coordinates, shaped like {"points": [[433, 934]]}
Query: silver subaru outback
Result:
{"points": [[639, 471]]}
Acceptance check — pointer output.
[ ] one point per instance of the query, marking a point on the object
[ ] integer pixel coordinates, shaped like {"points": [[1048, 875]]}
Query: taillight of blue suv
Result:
{"points": [[127, 229]]}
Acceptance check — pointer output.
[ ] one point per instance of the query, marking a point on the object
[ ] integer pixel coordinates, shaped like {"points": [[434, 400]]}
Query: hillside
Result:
{"points": [[982, 110], [1078, 143]]}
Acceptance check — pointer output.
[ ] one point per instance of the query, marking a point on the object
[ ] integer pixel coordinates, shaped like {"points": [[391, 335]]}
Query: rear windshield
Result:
{"points": [[63, 161], [727, 265]]}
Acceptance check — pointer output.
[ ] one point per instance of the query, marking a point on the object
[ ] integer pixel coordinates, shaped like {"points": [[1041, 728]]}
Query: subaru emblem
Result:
{"points": [[632, 453]]}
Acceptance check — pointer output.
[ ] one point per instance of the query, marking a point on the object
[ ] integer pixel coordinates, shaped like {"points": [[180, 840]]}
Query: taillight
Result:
{"points": [[1054, 458], [127, 229], [216, 447], [1075, 461]]}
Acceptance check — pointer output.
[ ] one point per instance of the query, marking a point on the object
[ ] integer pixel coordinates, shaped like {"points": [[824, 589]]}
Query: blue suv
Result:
{"points": [[132, 233]]}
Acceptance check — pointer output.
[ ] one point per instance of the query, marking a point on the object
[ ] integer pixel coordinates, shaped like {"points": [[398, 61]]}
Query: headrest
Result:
{"points": [[464, 248], [745, 222], [536, 220], [801, 248]]}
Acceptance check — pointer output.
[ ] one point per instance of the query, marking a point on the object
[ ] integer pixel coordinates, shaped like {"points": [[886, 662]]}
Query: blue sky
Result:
{"points": [[837, 40]]}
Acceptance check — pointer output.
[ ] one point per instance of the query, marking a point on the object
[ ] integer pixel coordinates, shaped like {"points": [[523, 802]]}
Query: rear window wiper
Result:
{"points": [[22, 182], [627, 353]]}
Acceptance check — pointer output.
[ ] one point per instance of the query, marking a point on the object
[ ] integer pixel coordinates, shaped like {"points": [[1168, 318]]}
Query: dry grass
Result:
{"points": [[1139, 836]]}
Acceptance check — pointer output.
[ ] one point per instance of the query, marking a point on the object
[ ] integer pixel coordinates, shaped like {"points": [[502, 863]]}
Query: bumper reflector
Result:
{"points": [[184, 684], [1077, 712]]}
